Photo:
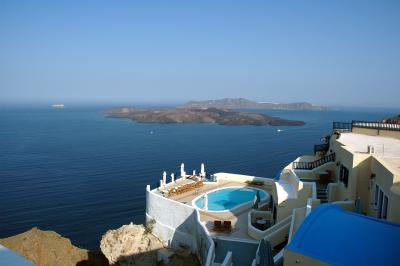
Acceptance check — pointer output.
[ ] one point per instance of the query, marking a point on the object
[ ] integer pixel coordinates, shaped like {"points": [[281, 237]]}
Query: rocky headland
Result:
{"points": [[207, 115]]}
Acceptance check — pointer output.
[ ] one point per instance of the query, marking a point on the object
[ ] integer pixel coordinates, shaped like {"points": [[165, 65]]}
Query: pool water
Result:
{"points": [[229, 198]]}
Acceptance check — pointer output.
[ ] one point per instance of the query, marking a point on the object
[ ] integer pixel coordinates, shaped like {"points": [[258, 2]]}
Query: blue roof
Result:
{"points": [[338, 237]]}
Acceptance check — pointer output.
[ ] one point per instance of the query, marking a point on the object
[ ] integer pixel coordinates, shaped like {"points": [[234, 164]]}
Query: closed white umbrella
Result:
{"points": [[172, 177], [202, 170], [164, 177], [161, 184], [183, 174], [257, 200]]}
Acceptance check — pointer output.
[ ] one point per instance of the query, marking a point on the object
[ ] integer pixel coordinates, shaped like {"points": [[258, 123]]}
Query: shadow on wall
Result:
{"points": [[188, 243]]}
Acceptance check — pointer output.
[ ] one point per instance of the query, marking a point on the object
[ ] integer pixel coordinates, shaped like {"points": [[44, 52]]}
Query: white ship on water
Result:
{"points": [[58, 105]]}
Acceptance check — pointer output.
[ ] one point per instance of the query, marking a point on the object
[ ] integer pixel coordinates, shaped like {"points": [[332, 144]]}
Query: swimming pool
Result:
{"points": [[228, 198]]}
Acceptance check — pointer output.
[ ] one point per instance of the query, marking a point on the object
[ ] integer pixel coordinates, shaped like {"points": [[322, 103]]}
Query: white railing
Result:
{"points": [[376, 125]]}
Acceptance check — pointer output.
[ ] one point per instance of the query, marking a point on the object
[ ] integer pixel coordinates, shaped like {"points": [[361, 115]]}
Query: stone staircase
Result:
{"points": [[322, 194]]}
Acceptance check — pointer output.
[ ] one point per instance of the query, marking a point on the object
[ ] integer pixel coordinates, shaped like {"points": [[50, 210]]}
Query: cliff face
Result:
{"points": [[47, 248]]}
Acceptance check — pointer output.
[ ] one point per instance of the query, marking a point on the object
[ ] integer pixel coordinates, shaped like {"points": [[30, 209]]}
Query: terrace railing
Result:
{"points": [[375, 125], [321, 148], [314, 164], [343, 127], [348, 127]]}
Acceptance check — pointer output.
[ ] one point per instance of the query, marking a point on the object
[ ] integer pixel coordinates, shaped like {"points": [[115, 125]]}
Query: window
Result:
{"points": [[382, 202], [385, 207], [344, 175], [376, 196]]}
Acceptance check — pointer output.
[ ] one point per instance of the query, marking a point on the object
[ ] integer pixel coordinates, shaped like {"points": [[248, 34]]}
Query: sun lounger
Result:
{"points": [[227, 226], [218, 226]]}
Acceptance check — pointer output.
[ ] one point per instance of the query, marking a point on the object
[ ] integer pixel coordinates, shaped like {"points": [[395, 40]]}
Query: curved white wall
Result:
{"points": [[177, 223]]}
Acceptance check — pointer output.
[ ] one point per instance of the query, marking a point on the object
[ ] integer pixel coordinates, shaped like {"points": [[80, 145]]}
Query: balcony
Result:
{"points": [[314, 164], [342, 127], [375, 125], [348, 127]]}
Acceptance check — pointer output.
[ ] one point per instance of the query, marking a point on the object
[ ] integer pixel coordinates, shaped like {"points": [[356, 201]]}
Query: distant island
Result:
{"points": [[204, 115], [241, 103]]}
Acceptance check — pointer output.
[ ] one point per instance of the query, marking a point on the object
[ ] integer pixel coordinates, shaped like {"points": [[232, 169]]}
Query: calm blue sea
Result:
{"points": [[78, 173]]}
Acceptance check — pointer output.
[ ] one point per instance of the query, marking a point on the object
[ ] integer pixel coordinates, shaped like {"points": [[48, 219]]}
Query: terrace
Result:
{"points": [[238, 216], [348, 127]]}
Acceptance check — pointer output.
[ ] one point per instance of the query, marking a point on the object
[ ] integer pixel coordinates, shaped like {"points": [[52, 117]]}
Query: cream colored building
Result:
{"points": [[356, 170], [359, 169]]}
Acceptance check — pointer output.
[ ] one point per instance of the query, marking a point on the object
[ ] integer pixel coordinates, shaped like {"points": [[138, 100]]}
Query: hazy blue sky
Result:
{"points": [[325, 52]]}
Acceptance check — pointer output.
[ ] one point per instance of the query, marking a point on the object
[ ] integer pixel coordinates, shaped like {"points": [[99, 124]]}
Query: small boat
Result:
{"points": [[58, 105], [279, 130]]}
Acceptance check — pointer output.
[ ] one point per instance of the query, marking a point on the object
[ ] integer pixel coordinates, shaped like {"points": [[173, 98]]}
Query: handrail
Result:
{"points": [[348, 127], [342, 126], [375, 125], [314, 164]]}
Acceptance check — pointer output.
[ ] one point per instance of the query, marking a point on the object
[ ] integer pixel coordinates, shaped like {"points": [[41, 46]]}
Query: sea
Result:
{"points": [[79, 173]]}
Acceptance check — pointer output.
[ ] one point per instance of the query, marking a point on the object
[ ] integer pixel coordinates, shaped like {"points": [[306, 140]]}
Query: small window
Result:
{"points": [[344, 175]]}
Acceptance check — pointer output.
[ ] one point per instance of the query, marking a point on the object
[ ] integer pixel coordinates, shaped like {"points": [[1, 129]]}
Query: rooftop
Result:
{"points": [[385, 148], [344, 243]]}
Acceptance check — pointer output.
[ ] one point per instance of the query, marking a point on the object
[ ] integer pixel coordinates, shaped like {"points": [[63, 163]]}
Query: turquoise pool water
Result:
{"points": [[228, 198]]}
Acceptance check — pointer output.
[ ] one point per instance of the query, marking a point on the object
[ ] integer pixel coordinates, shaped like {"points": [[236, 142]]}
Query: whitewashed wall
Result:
{"points": [[177, 223]]}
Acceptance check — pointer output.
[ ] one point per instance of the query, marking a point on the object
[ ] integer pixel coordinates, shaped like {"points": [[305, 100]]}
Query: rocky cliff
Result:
{"points": [[130, 245], [47, 248]]}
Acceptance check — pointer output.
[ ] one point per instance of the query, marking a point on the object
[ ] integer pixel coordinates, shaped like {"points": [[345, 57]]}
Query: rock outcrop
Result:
{"points": [[47, 248], [130, 245], [135, 245]]}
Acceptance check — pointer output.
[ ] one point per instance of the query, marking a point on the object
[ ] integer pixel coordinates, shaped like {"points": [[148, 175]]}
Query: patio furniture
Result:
{"points": [[227, 226], [218, 226]]}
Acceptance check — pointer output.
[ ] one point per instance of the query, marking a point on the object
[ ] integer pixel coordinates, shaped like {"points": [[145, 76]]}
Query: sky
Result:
{"points": [[337, 53]]}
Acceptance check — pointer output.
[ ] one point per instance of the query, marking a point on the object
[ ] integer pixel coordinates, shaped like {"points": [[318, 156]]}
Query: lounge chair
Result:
{"points": [[227, 226], [218, 226]]}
